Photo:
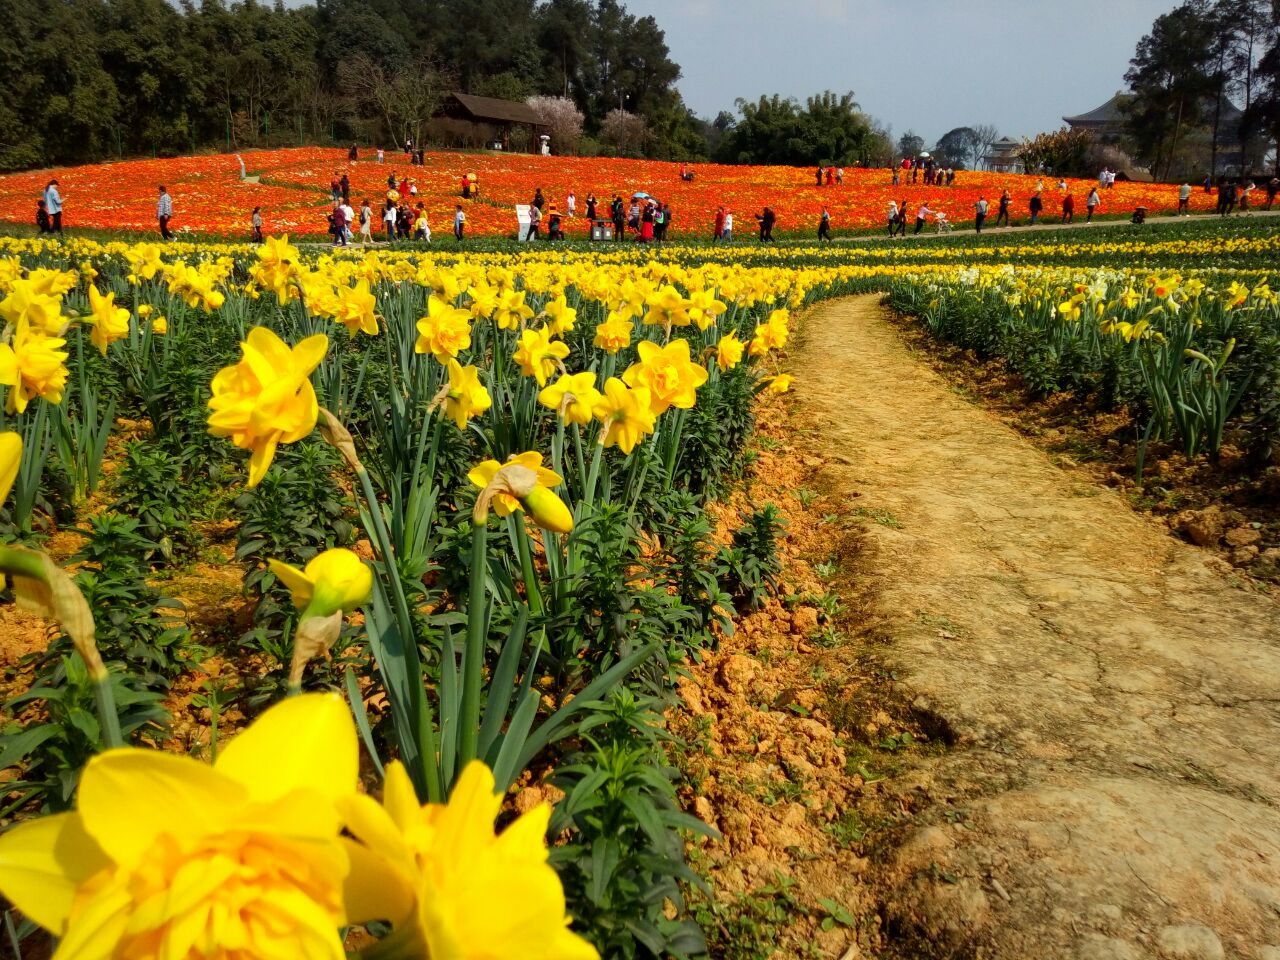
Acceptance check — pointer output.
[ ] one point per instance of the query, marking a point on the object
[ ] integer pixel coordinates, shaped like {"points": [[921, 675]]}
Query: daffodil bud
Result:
{"points": [[44, 588], [548, 510], [334, 581]]}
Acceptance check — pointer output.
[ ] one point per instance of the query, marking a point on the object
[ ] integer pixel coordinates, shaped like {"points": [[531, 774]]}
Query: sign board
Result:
{"points": [[522, 222]]}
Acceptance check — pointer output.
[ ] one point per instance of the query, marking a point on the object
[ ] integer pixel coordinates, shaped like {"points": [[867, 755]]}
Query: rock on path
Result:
{"points": [[1113, 790]]}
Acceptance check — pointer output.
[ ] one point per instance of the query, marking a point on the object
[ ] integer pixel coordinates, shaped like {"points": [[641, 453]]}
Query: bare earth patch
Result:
{"points": [[1113, 702]]}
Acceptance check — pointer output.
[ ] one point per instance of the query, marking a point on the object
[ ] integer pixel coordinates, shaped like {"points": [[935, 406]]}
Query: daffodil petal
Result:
{"points": [[302, 742], [128, 797], [42, 862]]}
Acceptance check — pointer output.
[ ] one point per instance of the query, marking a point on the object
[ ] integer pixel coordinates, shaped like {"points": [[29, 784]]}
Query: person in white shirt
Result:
{"points": [[380, 155], [389, 218], [1184, 199], [571, 203], [893, 216], [53, 204], [459, 222], [164, 211], [727, 235], [921, 215], [348, 217]]}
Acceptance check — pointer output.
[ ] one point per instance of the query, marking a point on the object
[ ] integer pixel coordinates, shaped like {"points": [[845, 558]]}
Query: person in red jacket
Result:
{"points": [[1068, 208], [718, 235]]}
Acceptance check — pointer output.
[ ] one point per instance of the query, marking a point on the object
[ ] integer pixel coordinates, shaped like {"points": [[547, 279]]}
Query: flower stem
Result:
{"points": [[473, 655]]}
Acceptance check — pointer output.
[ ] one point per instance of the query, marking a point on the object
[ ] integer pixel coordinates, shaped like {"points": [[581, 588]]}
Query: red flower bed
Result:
{"points": [[293, 191]]}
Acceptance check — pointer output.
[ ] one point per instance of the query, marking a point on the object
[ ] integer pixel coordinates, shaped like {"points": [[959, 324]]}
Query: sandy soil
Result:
{"points": [[1113, 703]]}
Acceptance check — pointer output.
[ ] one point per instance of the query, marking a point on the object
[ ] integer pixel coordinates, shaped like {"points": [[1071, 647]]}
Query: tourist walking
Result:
{"points": [[1091, 204], [893, 217], [717, 228], [1184, 199], [571, 204], [538, 200], [1035, 206], [819, 175], [839, 176], [256, 223], [339, 231], [335, 188], [824, 226], [767, 218], [1068, 208], [53, 204], [979, 214], [381, 155], [1002, 213], [535, 220], [902, 218], [42, 217], [366, 223], [345, 185], [616, 212], [726, 235], [348, 218], [389, 217], [591, 207], [164, 211], [921, 215], [1273, 187], [459, 223]]}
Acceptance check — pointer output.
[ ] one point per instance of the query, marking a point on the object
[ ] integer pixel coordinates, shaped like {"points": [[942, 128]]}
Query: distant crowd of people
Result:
{"points": [[648, 220]]}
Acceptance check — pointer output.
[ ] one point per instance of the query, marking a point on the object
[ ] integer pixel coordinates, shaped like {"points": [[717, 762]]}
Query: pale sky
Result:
{"points": [[925, 65]]}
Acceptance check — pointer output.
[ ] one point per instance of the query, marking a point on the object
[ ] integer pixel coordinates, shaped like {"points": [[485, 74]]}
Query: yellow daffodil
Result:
{"points": [[1070, 309], [667, 308], [614, 334], [780, 384], [626, 414], [10, 458], [770, 335], [729, 351], [538, 353], [277, 267], [560, 316], [444, 332], [110, 323], [159, 325], [1130, 298], [357, 309], [436, 871], [334, 580], [42, 311], [537, 496], [465, 396], [703, 308], [167, 857], [574, 395], [54, 283], [671, 378], [32, 365], [511, 311], [267, 399]]}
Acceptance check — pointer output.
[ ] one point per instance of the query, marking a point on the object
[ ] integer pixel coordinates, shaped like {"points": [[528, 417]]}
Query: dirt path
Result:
{"points": [[1112, 793], [961, 225]]}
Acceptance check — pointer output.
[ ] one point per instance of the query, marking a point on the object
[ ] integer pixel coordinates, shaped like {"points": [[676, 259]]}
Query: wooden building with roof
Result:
{"points": [[1004, 157], [492, 119]]}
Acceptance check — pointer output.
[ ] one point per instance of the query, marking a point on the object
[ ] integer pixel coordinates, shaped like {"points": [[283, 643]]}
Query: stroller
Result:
{"points": [[940, 222]]}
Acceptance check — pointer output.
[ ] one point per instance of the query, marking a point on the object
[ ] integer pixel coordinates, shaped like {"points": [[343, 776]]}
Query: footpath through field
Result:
{"points": [[962, 226], [1113, 792]]}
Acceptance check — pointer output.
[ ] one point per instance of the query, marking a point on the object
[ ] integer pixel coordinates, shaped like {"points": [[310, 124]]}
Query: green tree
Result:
{"points": [[1170, 75]]}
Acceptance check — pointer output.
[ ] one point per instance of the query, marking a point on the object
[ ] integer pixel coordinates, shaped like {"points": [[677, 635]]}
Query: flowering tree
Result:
{"points": [[562, 120], [624, 131]]}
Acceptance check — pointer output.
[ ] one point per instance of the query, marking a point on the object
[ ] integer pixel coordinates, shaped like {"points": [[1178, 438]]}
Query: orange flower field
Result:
{"points": [[293, 190]]}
